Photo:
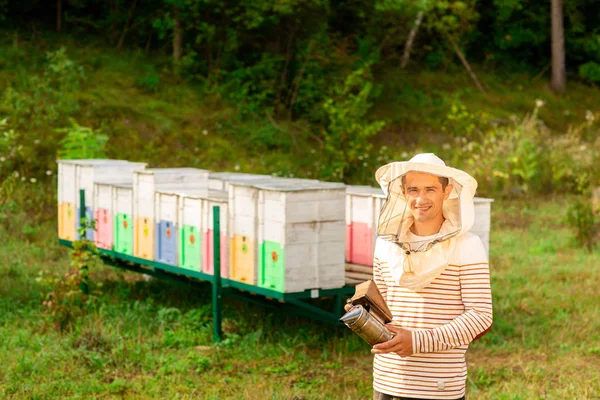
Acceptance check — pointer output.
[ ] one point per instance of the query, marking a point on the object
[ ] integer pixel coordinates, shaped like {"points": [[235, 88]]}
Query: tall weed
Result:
{"points": [[524, 157]]}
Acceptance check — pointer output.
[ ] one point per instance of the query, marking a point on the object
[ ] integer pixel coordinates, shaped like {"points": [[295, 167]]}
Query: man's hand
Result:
{"points": [[400, 344]]}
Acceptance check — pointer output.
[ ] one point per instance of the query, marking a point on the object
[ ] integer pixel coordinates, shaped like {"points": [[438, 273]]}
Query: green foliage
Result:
{"points": [[148, 83], [586, 224], [42, 100], [81, 142], [347, 133], [523, 156], [590, 72], [68, 296]]}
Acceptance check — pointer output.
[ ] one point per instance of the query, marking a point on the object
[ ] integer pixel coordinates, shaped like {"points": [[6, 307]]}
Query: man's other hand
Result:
{"points": [[400, 344]]}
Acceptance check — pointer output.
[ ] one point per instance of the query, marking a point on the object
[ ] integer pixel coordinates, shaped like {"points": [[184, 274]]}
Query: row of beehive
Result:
{"points": [[282, 234]]}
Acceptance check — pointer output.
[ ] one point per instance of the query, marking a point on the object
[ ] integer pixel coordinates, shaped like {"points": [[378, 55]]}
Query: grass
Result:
{"points": [[152, 339]]}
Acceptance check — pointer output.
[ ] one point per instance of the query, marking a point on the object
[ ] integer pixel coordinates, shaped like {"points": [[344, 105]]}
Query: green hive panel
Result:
{"points": [[272, 266], [190, 253], [123, 240]]}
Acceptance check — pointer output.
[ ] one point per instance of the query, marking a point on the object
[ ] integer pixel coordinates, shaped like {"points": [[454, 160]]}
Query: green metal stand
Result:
{"points": [[217, 298], [293, 303], [84, 285]]}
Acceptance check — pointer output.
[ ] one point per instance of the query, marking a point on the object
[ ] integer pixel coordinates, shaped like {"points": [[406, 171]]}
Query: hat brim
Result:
{"points": [[387, 173]]}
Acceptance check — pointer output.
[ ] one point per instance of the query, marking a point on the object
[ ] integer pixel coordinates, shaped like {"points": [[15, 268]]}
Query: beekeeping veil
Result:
{"points": [[416, 261]]}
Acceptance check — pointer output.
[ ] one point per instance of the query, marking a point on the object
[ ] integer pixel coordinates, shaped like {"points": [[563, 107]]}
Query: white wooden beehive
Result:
{"points": [[87, 174], [68, 192], [67, 177], [481, 224], [307, 222], [146, 183], [243, 226]]}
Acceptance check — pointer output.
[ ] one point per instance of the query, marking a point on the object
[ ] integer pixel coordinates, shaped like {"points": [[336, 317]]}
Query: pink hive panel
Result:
{"points": [[208, 254], [362, 244], [104, 229]]}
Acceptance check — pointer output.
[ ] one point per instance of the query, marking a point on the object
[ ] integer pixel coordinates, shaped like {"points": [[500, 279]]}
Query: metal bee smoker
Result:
{"points": [[368, 314], [366, 325]]}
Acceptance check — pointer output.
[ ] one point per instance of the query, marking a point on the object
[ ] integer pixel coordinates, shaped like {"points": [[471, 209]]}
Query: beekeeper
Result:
{"points": [[434, 275]]}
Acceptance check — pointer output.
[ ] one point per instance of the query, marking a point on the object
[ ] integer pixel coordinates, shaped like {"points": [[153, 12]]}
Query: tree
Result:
{"points": [[177, 35], [411, 37], [559, 74], [58, 15]]}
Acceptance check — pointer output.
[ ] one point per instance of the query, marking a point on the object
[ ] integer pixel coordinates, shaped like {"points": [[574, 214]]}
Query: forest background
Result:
{"points": [[327, 89]]}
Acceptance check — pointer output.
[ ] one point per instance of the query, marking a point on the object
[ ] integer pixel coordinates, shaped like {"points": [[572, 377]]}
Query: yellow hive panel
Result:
{"points": [[242, 265], [66, 221], [143, 238]]}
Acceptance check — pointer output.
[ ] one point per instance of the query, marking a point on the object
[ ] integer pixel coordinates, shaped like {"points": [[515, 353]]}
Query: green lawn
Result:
{"points": [[152, 339]]}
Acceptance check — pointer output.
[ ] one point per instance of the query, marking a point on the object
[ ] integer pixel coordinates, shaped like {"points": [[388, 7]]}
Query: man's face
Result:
{"points": [[425, 195]]}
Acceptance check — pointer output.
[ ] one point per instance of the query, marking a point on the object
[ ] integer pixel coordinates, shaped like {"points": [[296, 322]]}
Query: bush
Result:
{"points": [[590, 72], [81, 142], [523, 157], [584, 222], [347, 133], [42, 100], [68, 296]]}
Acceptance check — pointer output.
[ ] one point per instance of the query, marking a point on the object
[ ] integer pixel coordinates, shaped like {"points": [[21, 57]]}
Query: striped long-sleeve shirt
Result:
{"points": [[444, 318]]}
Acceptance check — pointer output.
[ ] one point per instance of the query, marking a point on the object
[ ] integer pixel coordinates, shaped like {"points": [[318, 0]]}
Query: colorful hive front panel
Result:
{"points": [[89, 215], [243, 259], [103, 215], [123, 223], [301, 235], [272, 273], [190, 233], [190, 247], [166, 246], [166, 211], [143, 209], [66, 201], [104, 229], [363, 204], [208, 223], [243, 224], [66, 221], [143, 237]]}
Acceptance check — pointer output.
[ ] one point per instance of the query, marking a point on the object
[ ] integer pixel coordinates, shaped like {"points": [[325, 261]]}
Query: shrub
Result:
{"points": [[347, 132], [524, 157], [42, 100], [81, 142], [590, 72], [581, 218], [68, 296]]}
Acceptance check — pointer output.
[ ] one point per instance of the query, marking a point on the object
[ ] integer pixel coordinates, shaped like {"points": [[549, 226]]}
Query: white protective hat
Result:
{"points": [[414, 261]]}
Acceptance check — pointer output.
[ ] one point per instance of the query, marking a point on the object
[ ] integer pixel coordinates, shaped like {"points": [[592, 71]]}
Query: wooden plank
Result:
{"points": [[364, 269], [358, 275], [353, 282]]}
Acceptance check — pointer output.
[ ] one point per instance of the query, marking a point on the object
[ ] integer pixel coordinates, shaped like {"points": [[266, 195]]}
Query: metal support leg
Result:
{"points": [[217, 297], [84, 286]]}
